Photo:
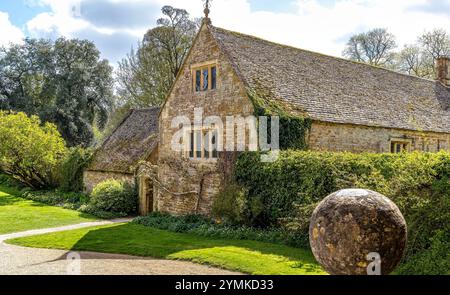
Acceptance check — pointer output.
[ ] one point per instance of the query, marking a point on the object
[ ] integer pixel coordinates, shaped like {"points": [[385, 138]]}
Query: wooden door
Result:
{"points": [[145, 196]]}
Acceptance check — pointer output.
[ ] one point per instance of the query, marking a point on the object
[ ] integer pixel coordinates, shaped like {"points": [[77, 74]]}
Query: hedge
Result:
{"points": [[419, 183]]}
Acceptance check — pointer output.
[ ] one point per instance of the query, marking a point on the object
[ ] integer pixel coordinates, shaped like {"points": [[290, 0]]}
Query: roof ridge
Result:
{"points": [[324, 55]]}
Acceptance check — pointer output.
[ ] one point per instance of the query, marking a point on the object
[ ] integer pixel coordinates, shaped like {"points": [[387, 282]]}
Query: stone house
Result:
{"points": [[350, 106], [135, 140]]}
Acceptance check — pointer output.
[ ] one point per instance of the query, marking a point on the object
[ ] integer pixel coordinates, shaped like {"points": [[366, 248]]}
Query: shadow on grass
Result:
{"points": [[8, 200], [137, 240], [9, 196]]}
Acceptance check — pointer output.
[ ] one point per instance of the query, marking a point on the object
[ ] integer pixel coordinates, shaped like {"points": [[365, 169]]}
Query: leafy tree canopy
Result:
{"points": [[146, 74], [64, 82]]}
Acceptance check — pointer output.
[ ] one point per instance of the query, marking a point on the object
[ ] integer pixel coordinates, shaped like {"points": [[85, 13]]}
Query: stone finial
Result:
{"points": [[207, 5], [443, 70]]}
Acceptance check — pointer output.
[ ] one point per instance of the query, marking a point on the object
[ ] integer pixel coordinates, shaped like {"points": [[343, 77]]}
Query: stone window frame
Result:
{"points": [[442, 145], [209, 65], [191, 148], [404, 143]]}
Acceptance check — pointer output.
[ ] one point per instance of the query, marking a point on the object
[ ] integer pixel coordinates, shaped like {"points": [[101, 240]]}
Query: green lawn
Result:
{"points": [[249, 257], [18, 214]]}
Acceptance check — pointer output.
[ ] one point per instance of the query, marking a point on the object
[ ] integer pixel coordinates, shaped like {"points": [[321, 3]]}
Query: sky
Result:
{"points": [[319, 25]]}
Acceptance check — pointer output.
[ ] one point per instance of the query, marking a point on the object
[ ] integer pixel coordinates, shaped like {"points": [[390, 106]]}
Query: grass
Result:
{"points": [[249, 257], [17, 214]]}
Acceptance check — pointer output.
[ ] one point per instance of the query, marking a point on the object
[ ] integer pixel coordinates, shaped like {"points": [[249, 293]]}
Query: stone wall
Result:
{"points": [[357, 139], [187, 186], [183, 178], [92, 178]]}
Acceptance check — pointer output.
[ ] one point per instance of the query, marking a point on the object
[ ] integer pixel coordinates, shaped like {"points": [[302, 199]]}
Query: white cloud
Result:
{"points": [[326, 28], [62, 20], [310, 24], [8, 32]]}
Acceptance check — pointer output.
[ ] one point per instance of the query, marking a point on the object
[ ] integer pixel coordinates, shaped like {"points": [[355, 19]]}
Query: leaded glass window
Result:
{"points": [[198, 80], [198, 144], [202, 144], [207, 145], [214, 145], [213, 78], [205, 78]]}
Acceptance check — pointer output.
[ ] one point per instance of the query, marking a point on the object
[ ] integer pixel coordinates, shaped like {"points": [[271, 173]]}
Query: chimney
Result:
{"points": [[443, 70]]}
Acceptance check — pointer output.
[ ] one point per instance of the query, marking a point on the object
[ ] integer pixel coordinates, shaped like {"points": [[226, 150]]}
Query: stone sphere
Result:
{"points": [[352, 225]]}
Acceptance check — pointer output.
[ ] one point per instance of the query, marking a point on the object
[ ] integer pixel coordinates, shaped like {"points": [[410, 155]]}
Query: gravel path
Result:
{"points": [[16, 260], [36, 232]]}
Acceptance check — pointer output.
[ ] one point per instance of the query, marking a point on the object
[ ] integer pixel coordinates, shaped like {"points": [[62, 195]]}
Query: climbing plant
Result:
{"points": [[294, 128]]}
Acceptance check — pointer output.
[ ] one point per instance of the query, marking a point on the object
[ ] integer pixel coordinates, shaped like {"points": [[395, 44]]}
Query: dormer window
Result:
{"points": [[205, 77]]}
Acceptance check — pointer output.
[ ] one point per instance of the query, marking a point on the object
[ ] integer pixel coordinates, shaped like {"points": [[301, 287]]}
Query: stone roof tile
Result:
{"points": [[134, 139], [336, 90]]}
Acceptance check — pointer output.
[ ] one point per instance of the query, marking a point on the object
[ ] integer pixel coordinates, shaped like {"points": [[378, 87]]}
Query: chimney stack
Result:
{"points": [[443, 70]]}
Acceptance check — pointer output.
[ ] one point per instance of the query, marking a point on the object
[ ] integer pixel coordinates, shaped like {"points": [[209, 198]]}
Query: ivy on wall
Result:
{"points": [[294, 129]]}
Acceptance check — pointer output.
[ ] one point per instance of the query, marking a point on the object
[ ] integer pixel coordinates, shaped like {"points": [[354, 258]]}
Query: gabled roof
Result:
{"points": [[336, 90], [133, 141]]}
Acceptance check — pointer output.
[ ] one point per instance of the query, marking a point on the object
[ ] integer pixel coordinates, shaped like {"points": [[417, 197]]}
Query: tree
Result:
{"points": [[436, 43], [144, 78], [63, 82], [412, 60], [173, 37], [146, 74], [420, 59], [30, 151], [375, 47]]}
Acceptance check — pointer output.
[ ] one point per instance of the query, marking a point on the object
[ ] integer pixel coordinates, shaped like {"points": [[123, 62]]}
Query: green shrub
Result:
{"points": [[112, 196], [434, 260], [72, 168], [30, 151], [419, 183], [66, 200], [298, 224], [89, 209], [232, 206], [8, 181]]}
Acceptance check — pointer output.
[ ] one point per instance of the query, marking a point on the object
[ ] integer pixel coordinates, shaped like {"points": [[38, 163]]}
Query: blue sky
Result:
{"points": [[20, 12], [320, 25]]}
